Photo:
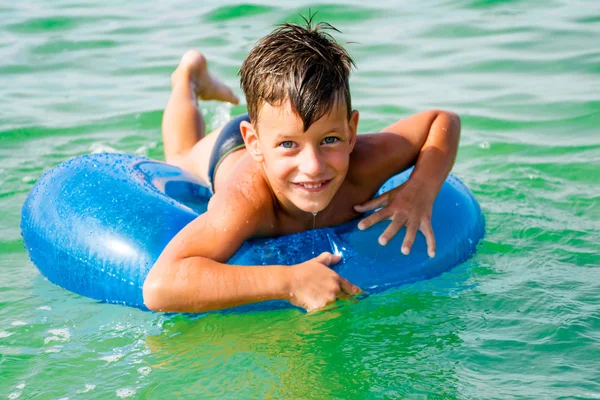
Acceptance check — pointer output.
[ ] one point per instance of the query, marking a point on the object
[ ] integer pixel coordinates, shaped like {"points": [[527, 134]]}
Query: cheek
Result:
{"points": [[279, 167], [338, 160]]}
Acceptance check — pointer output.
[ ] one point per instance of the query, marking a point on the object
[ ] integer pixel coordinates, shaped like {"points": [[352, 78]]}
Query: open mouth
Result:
{"points": [[313, 186]]}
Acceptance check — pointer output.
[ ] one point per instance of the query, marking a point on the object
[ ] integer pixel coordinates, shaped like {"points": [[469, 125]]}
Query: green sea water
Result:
{"points": [[521, 319]]}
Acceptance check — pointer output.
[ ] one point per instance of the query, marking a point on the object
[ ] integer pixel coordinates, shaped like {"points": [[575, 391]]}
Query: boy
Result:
{"points": [[297, 155]]}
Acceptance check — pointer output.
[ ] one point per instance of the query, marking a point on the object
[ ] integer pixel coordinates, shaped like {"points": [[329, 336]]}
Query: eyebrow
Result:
{"points": [[283, 138], [288, 136]]}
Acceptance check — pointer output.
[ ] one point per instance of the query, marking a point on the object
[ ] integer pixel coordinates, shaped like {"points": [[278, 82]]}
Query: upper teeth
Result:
{"points": [[312, 186]]}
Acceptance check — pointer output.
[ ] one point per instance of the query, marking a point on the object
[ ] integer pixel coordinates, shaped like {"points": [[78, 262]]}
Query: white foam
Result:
{"points": [[19, 323], [222, 115], [4, 334], [101, 148], [62, 332], [45, 308], [113, 358], [124, 393], [60, 335], [17, 393], [141, 151], [144, 371], [55, 349], [88, 388]]}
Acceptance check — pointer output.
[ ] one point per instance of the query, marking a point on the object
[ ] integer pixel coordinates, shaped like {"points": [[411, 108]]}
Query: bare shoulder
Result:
{"points": [[378, 156], [237, 212]]}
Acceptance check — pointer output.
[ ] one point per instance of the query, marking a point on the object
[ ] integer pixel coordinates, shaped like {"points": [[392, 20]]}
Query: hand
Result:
{"points": [[407, 205], [313, 285]]}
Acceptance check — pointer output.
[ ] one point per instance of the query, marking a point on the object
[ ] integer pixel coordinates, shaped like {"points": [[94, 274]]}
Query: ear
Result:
{"points": [[250, 137], [353, 125]]}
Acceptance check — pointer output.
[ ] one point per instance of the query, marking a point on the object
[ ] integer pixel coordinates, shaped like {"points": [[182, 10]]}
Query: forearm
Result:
{"points": [[198, 284], [182, 125], [437, 155]]}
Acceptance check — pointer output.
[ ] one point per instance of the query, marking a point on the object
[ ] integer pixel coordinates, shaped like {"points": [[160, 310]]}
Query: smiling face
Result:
{"points": [[304, 169]]}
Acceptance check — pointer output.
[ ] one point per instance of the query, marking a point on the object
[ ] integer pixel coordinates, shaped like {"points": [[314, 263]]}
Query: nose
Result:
{"points": [[311, 162]]}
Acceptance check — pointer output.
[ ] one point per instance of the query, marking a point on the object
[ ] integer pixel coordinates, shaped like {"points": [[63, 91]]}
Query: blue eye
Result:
{"points": [[287, 144], [330, 140]]}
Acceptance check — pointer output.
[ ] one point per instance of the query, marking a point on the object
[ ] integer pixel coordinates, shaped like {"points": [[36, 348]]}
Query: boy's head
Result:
{"points": [[302, 65], [302, 125]]}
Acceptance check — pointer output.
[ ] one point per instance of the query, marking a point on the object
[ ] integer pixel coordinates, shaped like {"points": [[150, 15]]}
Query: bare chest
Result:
{"points": [[238, 172]]}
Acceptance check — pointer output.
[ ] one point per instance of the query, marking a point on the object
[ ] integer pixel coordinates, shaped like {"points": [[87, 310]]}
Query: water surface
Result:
{"points": [[519, 320]]}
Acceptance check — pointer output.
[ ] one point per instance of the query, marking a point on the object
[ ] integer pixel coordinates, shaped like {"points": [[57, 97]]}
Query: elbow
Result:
{"points": [[152, 295], [154, 290]]}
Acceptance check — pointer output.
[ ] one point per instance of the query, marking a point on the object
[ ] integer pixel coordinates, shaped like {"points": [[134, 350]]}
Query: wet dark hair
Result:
{"points": [[302, 64]]}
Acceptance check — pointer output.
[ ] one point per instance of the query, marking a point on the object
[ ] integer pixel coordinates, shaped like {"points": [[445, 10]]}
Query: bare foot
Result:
{"points": [[193, 67]]}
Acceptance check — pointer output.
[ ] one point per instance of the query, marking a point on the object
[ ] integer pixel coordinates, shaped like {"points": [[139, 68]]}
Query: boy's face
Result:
{"points": [[304, 169]]}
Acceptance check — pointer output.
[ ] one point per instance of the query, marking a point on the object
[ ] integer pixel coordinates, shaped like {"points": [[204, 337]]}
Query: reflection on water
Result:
{"points": [[358, 348]]}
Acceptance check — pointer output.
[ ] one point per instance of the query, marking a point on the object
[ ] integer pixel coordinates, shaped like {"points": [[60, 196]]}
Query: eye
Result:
{"points": [[330, 140], [288, 144]]}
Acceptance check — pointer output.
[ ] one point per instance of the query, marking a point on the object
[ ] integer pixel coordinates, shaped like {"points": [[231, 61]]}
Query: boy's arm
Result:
{"points": [[190, 275], [429, 141], [433, 138]]}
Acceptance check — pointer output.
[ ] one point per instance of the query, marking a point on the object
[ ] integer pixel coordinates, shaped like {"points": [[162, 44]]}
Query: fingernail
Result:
{"points": [[361, 226], [431, 254], [383, 241], [405, 250]]}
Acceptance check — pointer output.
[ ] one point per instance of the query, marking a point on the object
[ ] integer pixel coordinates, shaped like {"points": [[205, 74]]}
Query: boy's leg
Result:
{"points": [[183, 126]]}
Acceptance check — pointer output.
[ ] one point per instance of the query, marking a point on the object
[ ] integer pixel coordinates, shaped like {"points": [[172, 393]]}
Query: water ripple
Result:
{"points": [[83, 76]]}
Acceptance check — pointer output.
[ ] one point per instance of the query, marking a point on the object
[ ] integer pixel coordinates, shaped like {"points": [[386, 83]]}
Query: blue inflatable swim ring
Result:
{"points": [[96, 224]]}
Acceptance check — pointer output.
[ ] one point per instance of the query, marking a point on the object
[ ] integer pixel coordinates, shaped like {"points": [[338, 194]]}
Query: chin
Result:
{"points": [[313, 202], [311, 207]]}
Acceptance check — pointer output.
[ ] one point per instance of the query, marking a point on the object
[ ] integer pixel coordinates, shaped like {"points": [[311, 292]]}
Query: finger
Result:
{"points": [[409, 239], [322, 304], [429, 238], [373, 219], [372, 204], [349, 288], [326, 258], [343, 296], [391, 230], [334, 305]]}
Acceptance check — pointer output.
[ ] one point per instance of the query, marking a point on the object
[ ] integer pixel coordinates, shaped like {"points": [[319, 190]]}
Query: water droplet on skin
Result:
{"points": [[314, 214]]}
